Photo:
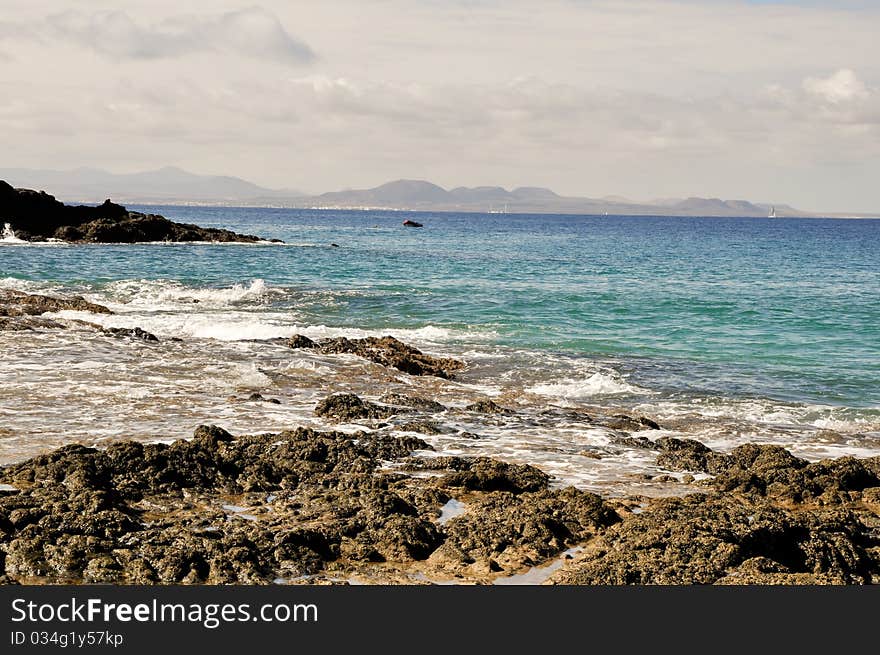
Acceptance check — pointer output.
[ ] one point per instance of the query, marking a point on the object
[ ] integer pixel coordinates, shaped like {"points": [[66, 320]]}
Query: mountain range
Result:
{"points": [[171, 185], [422, 195]]}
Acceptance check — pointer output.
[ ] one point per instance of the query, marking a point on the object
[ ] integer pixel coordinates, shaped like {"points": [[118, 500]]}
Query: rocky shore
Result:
{"points": [[366, 500], [37, 216], [305, 506]]}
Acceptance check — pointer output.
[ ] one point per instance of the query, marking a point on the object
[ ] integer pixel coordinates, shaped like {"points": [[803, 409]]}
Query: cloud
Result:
{"points": [[842, 86], [253, 32]]}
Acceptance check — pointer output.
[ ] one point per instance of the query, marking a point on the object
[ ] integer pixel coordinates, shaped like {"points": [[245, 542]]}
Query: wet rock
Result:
{"points": [[515, 530], [487, 407], [259, 398], [630, 423], [703, 539], [775, 472], [29, 323], [483, 473], [300, 341], [423, 427], [387, 351], [131, 333], [686, 455], [349, 407], [416, 402], [18, 303], [623, 439]]}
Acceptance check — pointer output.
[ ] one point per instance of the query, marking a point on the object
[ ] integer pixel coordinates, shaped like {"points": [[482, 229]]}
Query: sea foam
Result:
{"points": [[598, 384]]}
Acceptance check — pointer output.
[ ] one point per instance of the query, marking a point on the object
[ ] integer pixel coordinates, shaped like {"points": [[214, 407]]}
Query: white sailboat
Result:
{"points": [[772, 213]]}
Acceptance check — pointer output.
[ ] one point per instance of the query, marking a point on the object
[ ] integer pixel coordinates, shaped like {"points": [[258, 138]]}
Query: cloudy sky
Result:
{"points": [[770, 101]]}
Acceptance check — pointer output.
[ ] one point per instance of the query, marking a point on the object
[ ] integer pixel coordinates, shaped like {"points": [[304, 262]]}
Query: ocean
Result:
{"points": [[724, 330]]}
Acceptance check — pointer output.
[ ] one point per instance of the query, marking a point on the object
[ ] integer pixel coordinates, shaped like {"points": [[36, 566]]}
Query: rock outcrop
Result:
{"points": [[18, 303], [37, 216], [387, 351], [770, 518], [253, 509]]}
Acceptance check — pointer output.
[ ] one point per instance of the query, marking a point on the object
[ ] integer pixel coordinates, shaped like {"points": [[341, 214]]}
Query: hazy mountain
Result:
{"points": [[422, 195], [400, 193], [169, 184]]}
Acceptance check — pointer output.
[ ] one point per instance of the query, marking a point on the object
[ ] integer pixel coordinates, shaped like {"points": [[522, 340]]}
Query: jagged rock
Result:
{"points": [[702, 539], [626, 422], [487, 407], [416, 402], [28, 323], [299, 341], [18, 303], [624, 439], [37, 216], [387, 351], [686, 455], [423, 427], [483, 473], [259, 398], [515, 530], [223, 509], [131, 333], [349, 407]]}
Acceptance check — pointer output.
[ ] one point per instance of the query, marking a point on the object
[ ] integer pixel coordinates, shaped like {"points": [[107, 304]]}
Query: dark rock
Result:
{"points": [[29, 323], [625, 422], [416, 402], [642, 443], [299, 341], [388, 351], [349, 407], [423, 427], [775, 472], [18, 303], [131, 333], [38, 216], [516, 530], [259, 398], [703, 539], [487, 407], [140, 513], [483, 473], [685, 455]]}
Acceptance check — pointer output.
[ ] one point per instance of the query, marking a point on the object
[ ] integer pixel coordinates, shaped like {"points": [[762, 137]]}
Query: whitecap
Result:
{"points": [[598, 384]]}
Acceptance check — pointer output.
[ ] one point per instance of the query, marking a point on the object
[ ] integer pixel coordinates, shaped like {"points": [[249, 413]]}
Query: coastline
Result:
{"points": [[372, 501]]}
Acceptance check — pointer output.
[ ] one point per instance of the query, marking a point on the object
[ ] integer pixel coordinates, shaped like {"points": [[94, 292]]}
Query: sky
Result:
{"points": [[766, 101]]}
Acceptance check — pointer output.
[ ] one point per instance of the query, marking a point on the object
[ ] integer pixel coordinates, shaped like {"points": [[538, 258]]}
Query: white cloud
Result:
{"points": [[650, 99], [842, 86], [252, 32]]}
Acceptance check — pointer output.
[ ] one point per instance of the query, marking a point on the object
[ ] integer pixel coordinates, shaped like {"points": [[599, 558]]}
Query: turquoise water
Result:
{"points": [[785, 309]]}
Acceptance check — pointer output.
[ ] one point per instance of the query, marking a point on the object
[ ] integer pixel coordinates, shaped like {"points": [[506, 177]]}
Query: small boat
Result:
{"points": [[409, 223], [772, 213]]}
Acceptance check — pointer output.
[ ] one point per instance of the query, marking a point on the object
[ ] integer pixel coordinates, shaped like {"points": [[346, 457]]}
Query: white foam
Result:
{"points": [[8, 236], [598, 384], [250, 377], [161, 295]]}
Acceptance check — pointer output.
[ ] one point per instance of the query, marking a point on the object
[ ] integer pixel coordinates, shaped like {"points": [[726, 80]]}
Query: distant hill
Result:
{"points": [[409, 193], [164, 185], [171, 185], [426, 196]]}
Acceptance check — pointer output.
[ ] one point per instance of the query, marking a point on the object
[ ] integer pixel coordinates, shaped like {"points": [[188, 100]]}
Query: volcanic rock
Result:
{"points": [[387, 351], [37, 216]]}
